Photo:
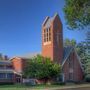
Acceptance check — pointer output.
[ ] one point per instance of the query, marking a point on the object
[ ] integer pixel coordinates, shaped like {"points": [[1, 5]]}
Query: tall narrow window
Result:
{"points": [[70, 76], [47, 35], [44, 35]]}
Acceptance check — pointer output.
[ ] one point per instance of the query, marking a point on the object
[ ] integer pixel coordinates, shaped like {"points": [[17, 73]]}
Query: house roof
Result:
{"points": [[48, 20], [27, 56], [66, 53], [31, 55]]}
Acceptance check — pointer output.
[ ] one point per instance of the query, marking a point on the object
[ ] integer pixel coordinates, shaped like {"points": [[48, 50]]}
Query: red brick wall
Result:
{"points": [[65, 70], [77, 71], [18, 64], [57, 46], [54, 50], [47, 50]]}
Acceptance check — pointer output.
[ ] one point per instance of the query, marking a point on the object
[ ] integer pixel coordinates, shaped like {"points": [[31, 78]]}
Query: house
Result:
{"points": [[6, 72], [8, 75], [52, 47]]}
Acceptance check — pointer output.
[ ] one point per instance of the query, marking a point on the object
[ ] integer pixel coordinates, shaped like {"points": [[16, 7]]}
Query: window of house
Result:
{"points": [[44, 36], [1, 66], [9, 67], [2, 75], [70, 76], [9, 75], [47, 35]]}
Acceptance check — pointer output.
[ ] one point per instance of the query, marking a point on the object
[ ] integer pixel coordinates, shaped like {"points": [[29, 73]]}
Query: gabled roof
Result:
{"points": [[30, 55], [48, 20], [45, 20], [66, 54], [27, 56]]}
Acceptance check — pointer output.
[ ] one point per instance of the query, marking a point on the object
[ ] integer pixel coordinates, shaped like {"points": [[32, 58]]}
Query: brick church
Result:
{"points": [[52, 47]]}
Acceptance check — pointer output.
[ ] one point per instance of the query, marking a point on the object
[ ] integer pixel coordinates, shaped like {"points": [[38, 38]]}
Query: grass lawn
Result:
{"points": [[44, 87]]}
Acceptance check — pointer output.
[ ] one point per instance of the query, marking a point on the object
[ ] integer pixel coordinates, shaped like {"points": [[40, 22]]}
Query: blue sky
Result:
{"points": [[21, 21]]}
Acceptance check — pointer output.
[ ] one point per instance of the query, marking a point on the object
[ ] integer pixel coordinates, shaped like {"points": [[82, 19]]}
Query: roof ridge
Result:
{"points": [[46, 19], [56, 14]]}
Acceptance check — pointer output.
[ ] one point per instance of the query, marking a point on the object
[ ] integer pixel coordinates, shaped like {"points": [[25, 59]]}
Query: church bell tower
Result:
{"points": [[52, 38]]}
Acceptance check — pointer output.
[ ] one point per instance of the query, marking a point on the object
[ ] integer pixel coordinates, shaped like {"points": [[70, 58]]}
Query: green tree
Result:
{"points": [[77, 13], [68, 42], [41, 68], [81, 49], [1, 58], [87, 69]]}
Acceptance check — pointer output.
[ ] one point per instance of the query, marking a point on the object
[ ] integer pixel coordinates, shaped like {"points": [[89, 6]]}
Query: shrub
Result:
{"points": [[87, 78]]}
